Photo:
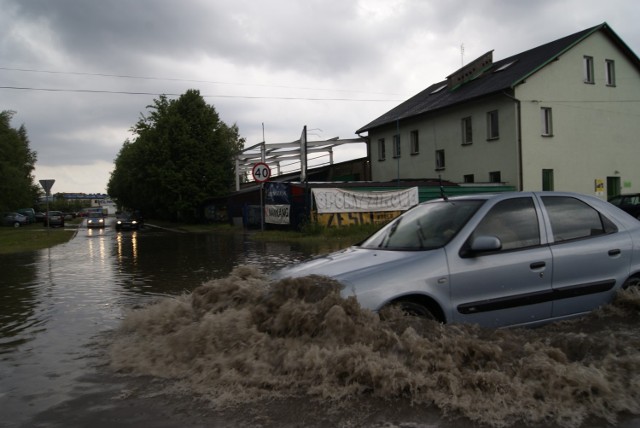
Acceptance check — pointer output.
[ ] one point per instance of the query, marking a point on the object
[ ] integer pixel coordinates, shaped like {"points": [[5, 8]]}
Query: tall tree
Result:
{"points": [[181, 154], [17, 162]]}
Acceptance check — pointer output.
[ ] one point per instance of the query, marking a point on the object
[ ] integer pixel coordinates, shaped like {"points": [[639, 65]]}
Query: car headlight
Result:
{"points": [[134, 222]]}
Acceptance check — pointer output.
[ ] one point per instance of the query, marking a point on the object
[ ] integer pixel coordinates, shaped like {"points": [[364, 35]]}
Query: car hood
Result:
{"points": [[348, 264]]}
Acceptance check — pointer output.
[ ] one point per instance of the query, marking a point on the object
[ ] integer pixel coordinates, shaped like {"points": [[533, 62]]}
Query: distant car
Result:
{"points": [[40, 217], [517, 258], [14, 219], [95, 219], [29, 213], [131, 221], [55, 218], [629, 203]]}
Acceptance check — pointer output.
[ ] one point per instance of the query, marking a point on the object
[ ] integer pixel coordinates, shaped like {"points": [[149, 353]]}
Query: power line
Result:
{"points": [[170, 79], [98, 91]]}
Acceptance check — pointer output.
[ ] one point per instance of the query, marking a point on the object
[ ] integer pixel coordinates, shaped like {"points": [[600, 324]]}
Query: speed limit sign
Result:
{"points": [[261, 172]]}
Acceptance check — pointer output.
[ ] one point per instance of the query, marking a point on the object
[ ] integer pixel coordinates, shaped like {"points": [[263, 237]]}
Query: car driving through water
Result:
{"points": [[517, 258], [95, 219], [126, 220]]}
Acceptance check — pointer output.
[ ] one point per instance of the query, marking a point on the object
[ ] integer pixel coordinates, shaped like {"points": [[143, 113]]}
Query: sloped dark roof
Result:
{"points": [[492, 81]]}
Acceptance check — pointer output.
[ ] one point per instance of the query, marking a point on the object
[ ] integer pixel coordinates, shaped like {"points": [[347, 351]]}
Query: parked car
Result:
{"points": [[29, 213], [40, 216], [14, 219], [495, 260], [95, 219], [629, 203], [127, 220], [54, 218]]}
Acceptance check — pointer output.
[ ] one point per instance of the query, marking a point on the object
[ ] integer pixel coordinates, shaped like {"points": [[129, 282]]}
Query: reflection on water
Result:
{"points": [[55, 302], [18, 289]]}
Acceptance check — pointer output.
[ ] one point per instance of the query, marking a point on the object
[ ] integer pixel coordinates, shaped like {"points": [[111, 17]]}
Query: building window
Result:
{"points": [[545, 116], [439, 159], [588, 69], [494, 177], [467, 130], [610, 72], [396, 146], [547, 179], [382, 155], [415, 142], [469, 178], [493, 131]]}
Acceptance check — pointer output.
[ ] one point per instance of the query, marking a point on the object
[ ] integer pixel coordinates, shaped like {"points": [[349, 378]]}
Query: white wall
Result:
{"points": [[595, 126], [444, 131]]}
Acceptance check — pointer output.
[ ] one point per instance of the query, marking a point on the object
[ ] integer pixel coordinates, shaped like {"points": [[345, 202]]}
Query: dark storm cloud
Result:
{"points": [[117, 35], [305, 50]]}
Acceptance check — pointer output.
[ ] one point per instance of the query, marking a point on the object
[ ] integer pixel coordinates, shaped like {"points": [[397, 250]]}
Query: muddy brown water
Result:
{"points": [[155, 328]]}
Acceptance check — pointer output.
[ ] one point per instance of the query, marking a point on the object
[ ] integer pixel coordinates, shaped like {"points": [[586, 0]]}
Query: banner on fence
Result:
{"points": [[277, 214], [346, 201]]}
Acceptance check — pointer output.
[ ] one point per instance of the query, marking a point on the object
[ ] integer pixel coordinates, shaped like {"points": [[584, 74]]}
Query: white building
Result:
{"points": [[561, 116]]}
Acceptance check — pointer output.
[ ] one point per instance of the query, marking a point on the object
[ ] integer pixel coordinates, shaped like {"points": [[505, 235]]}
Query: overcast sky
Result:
{"points": [[88, 69]]}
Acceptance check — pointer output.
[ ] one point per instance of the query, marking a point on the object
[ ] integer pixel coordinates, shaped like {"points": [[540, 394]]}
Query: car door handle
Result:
{"points": [[614, 252], [537, 265]]}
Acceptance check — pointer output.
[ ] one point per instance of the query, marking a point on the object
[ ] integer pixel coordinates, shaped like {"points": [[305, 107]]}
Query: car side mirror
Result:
{"points": [[485, 243]]}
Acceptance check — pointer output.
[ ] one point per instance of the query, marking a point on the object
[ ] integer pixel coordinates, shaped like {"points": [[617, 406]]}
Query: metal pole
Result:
{"points": [[47, 198], [261, 207], [399, 150]]}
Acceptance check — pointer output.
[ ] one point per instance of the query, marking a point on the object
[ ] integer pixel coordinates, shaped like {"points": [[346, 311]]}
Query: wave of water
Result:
{"points": [[241, 338]]}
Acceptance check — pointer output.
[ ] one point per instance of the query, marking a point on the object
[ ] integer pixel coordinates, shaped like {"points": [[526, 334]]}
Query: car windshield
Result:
{"points": [[424, 227]]}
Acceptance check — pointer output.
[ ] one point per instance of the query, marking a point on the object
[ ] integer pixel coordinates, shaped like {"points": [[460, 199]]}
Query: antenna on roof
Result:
{"points": [[442, 194]]}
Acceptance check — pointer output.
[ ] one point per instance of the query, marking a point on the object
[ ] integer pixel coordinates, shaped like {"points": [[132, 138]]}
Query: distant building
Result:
{"points": [[561, 116]]}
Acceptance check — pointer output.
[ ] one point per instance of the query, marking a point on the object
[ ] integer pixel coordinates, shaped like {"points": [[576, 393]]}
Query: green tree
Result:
{"points": [[17, 162], [181, 154]]}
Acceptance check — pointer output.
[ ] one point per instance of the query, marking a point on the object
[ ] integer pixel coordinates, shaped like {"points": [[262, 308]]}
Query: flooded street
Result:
{"points": [[157, 328], [57, 303]]}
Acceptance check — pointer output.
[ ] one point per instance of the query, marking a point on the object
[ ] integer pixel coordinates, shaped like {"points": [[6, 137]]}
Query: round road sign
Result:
{"points": [[261, 172]]}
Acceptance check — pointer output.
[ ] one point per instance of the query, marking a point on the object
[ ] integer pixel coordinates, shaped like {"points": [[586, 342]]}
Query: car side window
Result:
{"points": [[571, 218], [513, 221]]}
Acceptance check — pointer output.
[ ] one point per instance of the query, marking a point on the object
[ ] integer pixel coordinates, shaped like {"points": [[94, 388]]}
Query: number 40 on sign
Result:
{"points": [[261, 172]]}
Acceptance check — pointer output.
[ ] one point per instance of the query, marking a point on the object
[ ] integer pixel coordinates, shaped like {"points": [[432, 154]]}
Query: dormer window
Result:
{"points": [[505, 66]]}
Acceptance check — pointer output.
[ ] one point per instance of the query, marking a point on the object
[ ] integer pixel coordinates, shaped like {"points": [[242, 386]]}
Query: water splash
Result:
{"points": [[241, 338]]}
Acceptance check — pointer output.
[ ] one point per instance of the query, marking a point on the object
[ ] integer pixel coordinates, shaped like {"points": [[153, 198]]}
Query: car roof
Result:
{"points": [[507, 195]]}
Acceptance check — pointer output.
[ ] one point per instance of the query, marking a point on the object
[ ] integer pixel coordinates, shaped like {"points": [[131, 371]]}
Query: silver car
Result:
{"points": [[523, 258]]}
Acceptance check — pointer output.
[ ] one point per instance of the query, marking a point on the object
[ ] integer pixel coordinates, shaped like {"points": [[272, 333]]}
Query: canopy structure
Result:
{"points": [[294, 154]]}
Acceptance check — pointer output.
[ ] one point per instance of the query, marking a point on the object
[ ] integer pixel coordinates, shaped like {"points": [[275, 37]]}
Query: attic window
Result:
{"points": [[505, 66], [435, 91]]}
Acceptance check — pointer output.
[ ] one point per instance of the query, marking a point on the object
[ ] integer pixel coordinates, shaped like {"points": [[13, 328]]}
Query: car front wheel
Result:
{"points": [[415, 309], [632, 282]]}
